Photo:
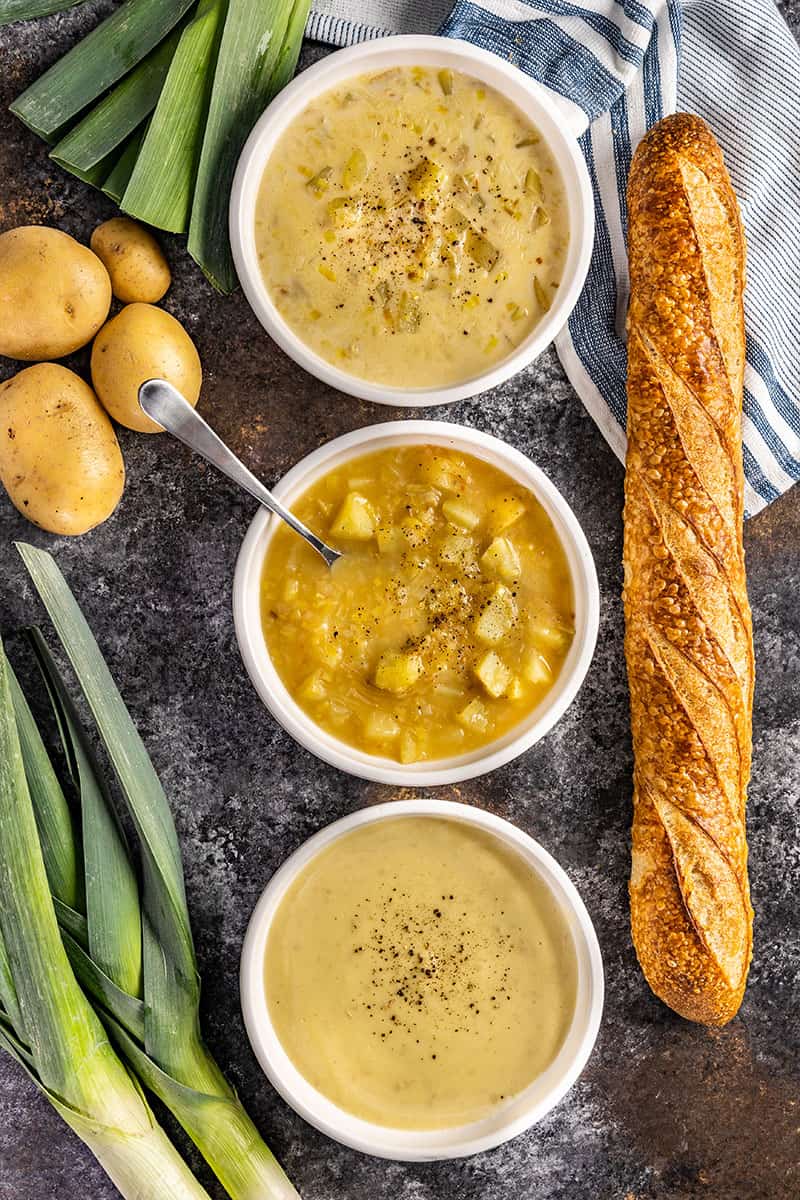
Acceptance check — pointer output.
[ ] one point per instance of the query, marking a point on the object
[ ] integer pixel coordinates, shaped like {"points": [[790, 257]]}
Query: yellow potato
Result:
{"points": [[54, 293], [142, 342], [60, 461], [133, 259]]}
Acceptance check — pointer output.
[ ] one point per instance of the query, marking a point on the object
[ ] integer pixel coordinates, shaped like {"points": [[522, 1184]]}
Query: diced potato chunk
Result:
{"points": [[380, 727], [515, 689], [481, 250], [314, 687], [500, 558], [551, 635], [537, 669], [411, 747], [498, 615], [345, 211], [493, 674], [416, 531], [458, 549], [458, 223], [329, 652], [449, 474], [460, 513], [427, 179], [355, 519], [474, 716], [390, 539], [505, 510], [397, 672], [291, 588], [355, 169]]}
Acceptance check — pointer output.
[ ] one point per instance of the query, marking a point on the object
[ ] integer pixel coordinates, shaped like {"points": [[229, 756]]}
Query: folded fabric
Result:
{"points": [[621, 65]]}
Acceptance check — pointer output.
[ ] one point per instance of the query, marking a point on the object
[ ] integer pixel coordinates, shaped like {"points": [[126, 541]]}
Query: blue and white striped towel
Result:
{"points": [[623, 64]]}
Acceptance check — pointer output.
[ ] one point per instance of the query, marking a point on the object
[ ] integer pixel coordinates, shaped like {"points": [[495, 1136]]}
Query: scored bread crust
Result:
{"points": [[688, 636]]}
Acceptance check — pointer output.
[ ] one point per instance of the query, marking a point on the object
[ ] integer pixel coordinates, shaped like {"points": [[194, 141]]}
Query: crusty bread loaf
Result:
{"points": [[688, 640]]}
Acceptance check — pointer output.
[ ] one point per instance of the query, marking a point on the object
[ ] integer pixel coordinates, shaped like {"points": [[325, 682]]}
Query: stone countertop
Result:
{"points": [[665, 1110]]}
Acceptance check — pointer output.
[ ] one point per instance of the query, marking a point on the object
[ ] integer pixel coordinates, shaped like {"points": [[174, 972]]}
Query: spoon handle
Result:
{"points": [[173, 412]]}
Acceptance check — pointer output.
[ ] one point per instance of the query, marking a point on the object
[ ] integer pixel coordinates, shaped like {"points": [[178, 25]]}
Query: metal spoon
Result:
{"points": [[168, 408]]}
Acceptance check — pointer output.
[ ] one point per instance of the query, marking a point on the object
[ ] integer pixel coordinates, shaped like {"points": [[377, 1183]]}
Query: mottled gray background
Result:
{"points": [[665, 1110]]}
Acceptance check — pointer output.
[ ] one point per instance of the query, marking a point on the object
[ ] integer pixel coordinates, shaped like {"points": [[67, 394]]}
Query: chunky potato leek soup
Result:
{"points": [[419, 973], [411, 227], [447, 619]]}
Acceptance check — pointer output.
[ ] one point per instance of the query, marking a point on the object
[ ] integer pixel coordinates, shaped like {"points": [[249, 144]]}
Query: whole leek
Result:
{"points": [[46, 1022], [152, 1016]]}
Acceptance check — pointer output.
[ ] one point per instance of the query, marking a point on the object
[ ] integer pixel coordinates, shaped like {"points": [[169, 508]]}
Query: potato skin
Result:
{"points": [[60, 461], [142, 342], [54, 293], [134, 260]]}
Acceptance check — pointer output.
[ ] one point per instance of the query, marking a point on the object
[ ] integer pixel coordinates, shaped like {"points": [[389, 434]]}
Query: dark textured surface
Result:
{"points": [[665, 1110]]}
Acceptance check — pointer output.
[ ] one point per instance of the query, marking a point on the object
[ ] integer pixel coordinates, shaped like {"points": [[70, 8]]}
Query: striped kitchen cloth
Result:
{"points": [[621, 65]]}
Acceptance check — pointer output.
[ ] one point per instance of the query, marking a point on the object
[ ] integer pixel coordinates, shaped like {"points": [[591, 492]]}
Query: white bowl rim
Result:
{"points": [[519, 1113], [541, 106], [289, 714]]}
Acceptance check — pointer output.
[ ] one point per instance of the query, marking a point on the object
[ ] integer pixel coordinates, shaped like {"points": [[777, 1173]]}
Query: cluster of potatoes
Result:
{"points": [[60, 460]]}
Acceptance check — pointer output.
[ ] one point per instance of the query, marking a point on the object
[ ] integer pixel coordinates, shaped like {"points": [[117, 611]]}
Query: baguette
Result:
{"points": [[688, 636]]}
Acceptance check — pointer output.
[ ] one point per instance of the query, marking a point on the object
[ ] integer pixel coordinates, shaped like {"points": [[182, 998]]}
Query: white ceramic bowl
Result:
{"points": [[412, 50], [250, 635], [518, 1113]]}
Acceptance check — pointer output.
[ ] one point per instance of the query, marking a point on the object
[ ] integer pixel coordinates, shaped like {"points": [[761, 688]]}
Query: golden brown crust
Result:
{"points": [[688, 639]]}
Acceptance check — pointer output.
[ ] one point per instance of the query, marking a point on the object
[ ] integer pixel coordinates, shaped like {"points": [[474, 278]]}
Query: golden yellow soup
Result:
{"points": [[448, 618], [418, 973], [411, 227]]}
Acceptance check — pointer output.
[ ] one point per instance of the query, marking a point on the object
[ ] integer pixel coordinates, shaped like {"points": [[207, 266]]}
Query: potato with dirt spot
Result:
{"points": [[60, 461], [134, 260], [54, 293], [140, 343]]}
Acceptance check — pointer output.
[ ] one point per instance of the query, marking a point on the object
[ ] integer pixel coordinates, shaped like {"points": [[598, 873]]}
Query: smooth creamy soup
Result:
{"points": [[411, 227], [418, 973], [445, 623]]}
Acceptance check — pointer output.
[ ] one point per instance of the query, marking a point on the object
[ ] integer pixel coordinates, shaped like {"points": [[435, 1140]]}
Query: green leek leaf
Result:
{"points": [[96, 62], [53, 817], [8, 993], [253, 42], [117, 180], [29, 10], [126, 1009], [116, 116], [74, 922], [113, 914], [286, 64], [162, 181]]}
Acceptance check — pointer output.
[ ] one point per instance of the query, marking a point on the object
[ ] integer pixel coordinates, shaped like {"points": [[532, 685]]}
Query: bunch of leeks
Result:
{"points": [[129, 945], [154, 105]]}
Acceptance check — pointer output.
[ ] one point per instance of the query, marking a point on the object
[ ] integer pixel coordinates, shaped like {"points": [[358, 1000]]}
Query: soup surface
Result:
{"points": [[411, 227], [446, 621], [418, 973]]}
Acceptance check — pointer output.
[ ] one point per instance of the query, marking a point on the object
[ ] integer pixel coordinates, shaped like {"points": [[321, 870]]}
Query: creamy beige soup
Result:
{"points": [[445, 623], [411, 227], [418, 973]]}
